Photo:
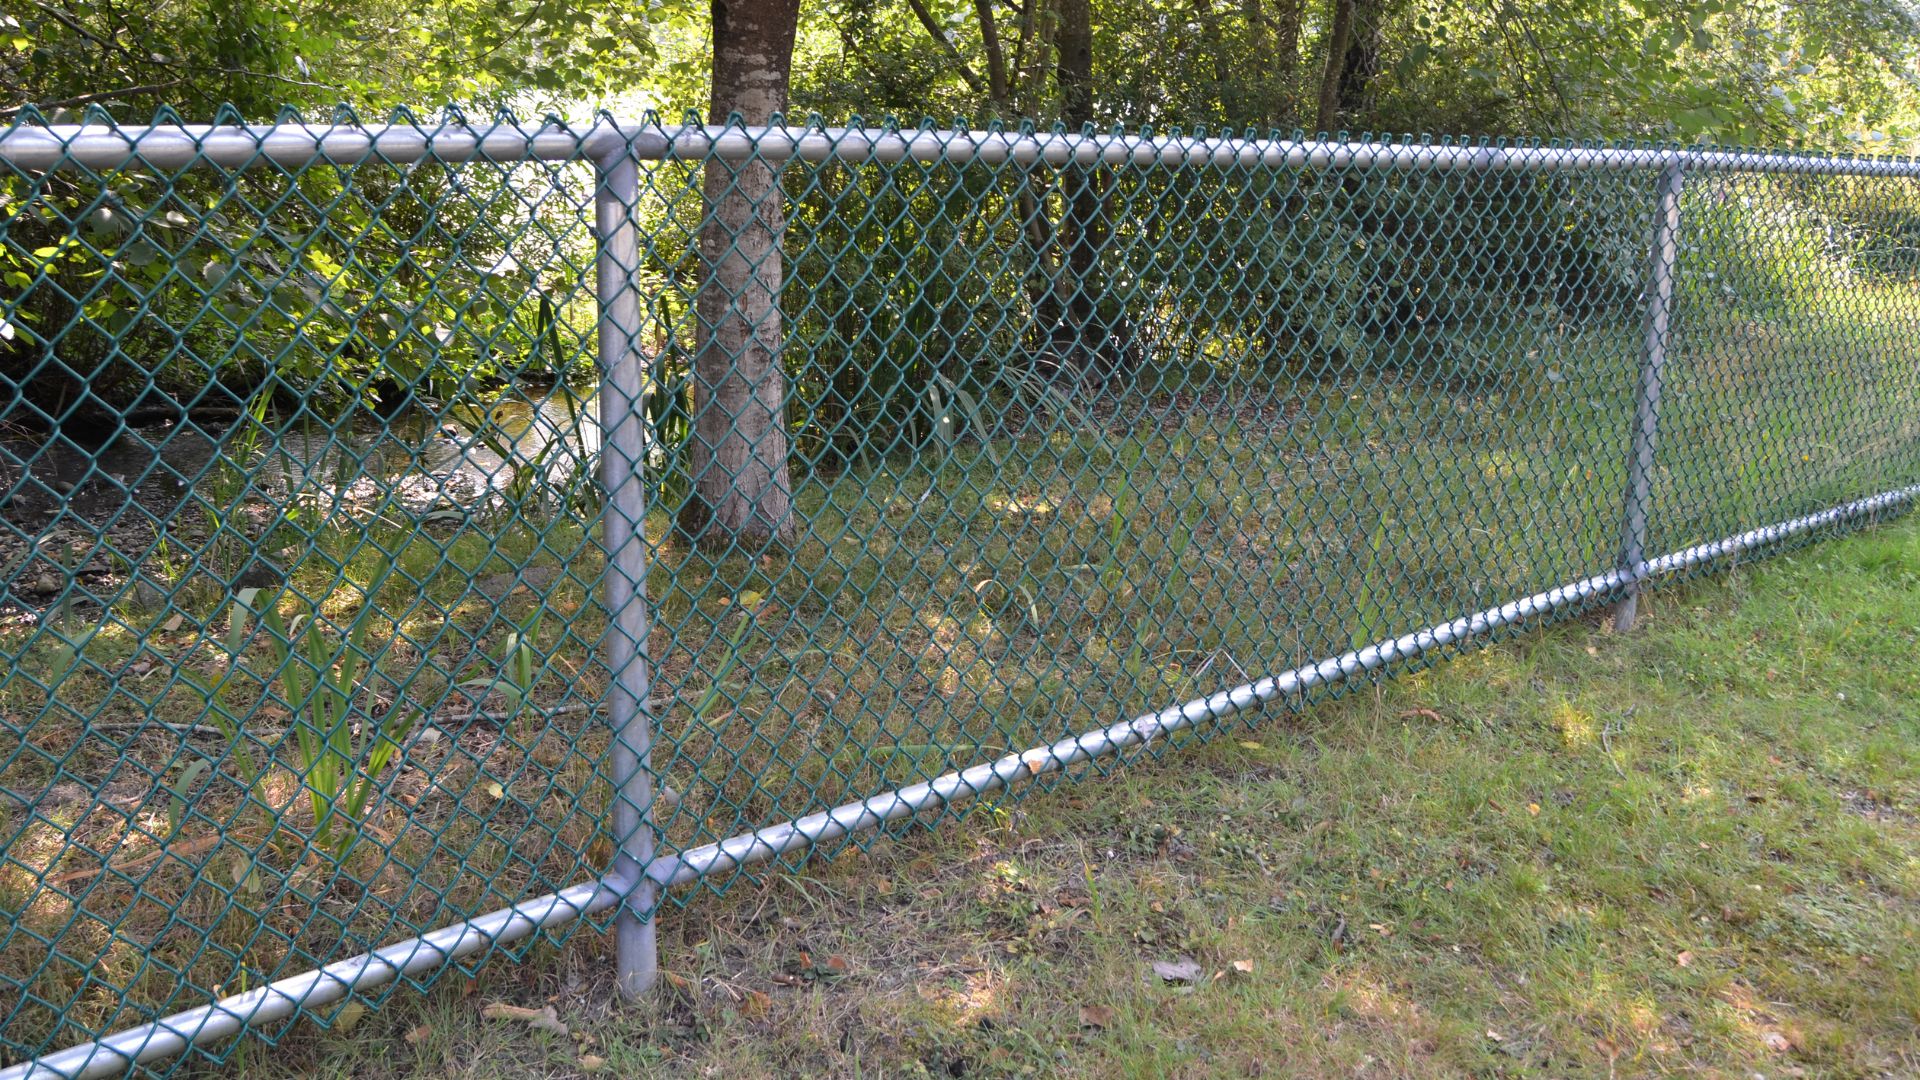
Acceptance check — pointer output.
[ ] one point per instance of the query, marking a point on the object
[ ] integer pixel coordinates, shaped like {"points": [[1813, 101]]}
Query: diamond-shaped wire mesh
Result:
{"points": [[946, 453]]}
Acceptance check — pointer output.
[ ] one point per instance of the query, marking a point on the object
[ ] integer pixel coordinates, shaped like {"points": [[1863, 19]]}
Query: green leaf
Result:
{"points": [[181, 789]]}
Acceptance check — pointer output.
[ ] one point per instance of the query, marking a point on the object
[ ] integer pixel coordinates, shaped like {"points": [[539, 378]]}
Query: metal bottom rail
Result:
{"points": [[279, 1000]]}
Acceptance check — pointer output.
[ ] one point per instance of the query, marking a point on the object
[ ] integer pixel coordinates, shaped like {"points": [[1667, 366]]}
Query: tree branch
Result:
{"points": [[996, 56], [967, 73], [70, 23], [85, 99]]}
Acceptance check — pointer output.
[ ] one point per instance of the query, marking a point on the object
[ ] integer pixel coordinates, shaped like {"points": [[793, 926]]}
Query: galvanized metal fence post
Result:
{"points": [[623, 462], [1646, 415]]}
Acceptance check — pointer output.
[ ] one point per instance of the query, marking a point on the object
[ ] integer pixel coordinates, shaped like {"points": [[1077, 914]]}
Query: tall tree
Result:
{"points": [[1073, 73], [1339, 36], [1286, 57], [1360, 65], [742, 491], [1352, 63], [1275, 45]]}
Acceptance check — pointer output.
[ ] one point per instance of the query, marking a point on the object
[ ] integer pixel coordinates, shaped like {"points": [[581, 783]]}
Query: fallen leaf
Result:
{"points": [[1249, 744], [1777, 1042], [1183, 970], [678, 982], [836, 965], [1243, 967], [349, 1015], [1423, 714], [419, 1035], [1533, 808], [174, 623], [494, 789], [543, 1019], [1098, 1017], [755, 1004], [1684, 959], [176, 851], [883, 886], [592, 1063]]}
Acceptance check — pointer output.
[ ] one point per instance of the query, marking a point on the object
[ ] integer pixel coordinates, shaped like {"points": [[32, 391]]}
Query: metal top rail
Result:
{"points": [[37, 147]]}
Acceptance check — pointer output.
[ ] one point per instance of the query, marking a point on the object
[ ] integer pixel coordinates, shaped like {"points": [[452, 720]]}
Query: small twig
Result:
{"points": [[1606, 743], [179, 851], [146, 725], [563, 710], [503, 717], [457, 718], [88, 99]]}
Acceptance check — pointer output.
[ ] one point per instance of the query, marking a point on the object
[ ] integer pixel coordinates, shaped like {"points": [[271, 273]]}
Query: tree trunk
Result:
{"points": [[1327, 118], [742, 492], [1286, 60], [1352, 62], [998, 89], [1361, 65], [1074, 74], [1234, 109]]}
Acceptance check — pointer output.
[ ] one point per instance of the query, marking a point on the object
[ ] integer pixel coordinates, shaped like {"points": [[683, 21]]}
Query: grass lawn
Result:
{"points": [[1694, 849]]}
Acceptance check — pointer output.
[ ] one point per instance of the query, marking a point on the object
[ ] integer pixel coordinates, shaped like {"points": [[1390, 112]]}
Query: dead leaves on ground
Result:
{"points": [[1096, 1017], [541, 1019], [1186, 972], [545, 1018], [806, 968]]}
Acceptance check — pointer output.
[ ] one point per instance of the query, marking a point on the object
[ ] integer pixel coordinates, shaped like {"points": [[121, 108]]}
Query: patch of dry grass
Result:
{"points": [[1693, 850]]}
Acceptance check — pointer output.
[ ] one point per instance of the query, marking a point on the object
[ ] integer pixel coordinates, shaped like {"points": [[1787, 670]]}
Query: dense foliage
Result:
{"points": [[1826, 72], [375, 285]]}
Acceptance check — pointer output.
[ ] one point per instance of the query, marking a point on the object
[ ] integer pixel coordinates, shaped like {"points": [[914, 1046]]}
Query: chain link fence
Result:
{"points": [[430, 538]]}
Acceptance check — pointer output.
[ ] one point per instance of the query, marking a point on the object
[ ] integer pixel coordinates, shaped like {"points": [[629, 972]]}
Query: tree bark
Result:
{"points": [[1327, 117], [1073, 68], [1352, 63], [997, 86], [1361, 65], [1073, 72], [1236, 112], [742, 491], [1267, 96], [1286, 61]]}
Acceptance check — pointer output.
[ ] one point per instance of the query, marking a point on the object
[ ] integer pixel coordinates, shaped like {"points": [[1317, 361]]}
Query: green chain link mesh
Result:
{"points": [[943, 460]]}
